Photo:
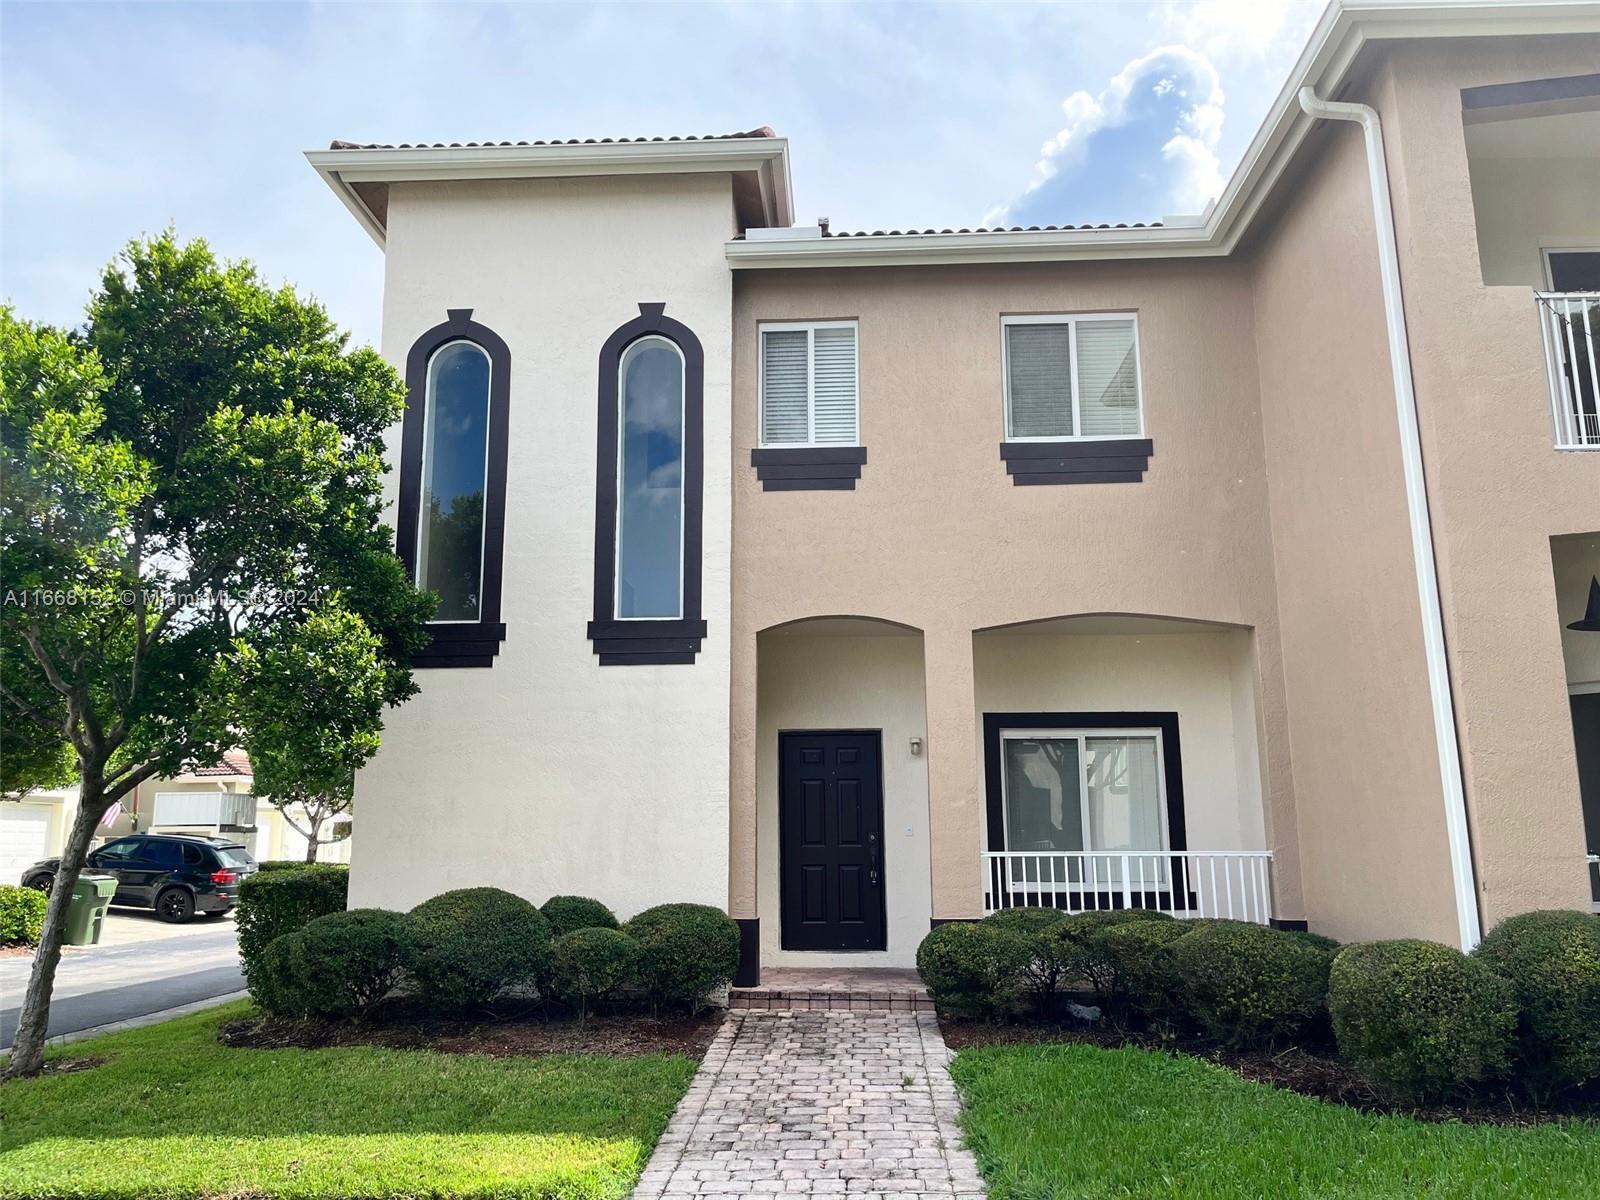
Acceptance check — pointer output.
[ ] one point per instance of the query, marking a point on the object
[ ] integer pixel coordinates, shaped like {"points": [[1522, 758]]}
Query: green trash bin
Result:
{"points": [[91, 896]]}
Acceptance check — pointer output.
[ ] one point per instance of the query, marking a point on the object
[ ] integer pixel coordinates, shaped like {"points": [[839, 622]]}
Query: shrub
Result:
{"points": [[294, 864], [1251, 985], [1041, 976], [973, 968], [469, 944], [1140, 970], [1552, 962], [589, 964], [1073, 942], [686, 951], [566, 913], [21, 915], [1420, 1019], [281, 902], [340, 965]]}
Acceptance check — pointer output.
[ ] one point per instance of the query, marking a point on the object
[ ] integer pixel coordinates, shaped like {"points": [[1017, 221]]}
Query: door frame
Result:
{"points": [[883, 840]]}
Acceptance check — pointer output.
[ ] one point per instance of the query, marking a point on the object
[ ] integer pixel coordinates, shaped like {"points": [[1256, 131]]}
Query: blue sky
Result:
{"points": [[118, 119]]}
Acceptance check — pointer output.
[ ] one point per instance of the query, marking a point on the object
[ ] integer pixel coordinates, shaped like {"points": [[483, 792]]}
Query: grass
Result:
{"points": [[172, 1113], [1051, 1122]]}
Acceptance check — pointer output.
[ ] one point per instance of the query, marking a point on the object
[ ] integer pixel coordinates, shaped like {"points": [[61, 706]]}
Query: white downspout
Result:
{"points": [[1405, 397]]}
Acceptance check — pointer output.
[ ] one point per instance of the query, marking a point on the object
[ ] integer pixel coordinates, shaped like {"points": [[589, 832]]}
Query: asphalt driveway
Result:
{"points": [[142, 965]]}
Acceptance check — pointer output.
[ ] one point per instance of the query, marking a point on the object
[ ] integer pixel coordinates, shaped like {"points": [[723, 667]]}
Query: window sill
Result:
{"points": [[664, 642], [1111, 460], [461, 644], [808, 468]]}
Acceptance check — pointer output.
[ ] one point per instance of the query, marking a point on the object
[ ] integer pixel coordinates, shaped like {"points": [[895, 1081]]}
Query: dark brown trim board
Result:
{"points": [[1530, 91], [808, 468], [1119, 460], [474, 643], [748, 973], [650, 641]]}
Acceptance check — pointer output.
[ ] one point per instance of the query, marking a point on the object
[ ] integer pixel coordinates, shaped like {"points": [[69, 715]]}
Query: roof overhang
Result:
{"points": [[361, 177], [1346, 27]]}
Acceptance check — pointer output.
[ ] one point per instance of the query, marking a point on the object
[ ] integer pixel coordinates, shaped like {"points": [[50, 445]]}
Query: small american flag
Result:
{"points": [[112, 813]]}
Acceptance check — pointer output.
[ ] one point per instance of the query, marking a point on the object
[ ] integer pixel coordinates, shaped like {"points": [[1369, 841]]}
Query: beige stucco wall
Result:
{"points": [[854, 681], [1497, 488], [548, 773], [936, 536], [1525, 205], [1196, 675]]}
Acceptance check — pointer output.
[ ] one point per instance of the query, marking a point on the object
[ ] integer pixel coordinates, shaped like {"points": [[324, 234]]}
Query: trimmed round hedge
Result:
{"points": [[21, 915], [686, 952], [1043, 965], [341, 965], [1249, 986], [469, 944], [1137, 961], [591, 963], [1074, 944], [1551, 960], [1421, 1020], [567, 913], [973, 968], [282, 901]]}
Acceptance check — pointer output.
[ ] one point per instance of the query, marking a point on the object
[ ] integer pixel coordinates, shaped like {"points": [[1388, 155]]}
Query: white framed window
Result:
{"points": [[809, 384], [650, 497], [1067, 791], [1072, 378]]}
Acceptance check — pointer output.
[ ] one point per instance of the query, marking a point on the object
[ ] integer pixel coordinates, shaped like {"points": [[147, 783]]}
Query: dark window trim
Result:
{"points": [[1111, 460], [1171, 760], [808, 468], [458, 643], [648, 641]]}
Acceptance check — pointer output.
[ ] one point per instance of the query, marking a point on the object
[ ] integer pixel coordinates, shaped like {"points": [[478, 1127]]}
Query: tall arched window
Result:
{"points": [[451, 522], [648, 499]]}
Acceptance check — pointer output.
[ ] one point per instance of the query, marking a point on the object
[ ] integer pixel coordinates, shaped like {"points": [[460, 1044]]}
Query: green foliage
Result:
{"points": [[569, 913], [1139, 969], [974, 968], [1420, 1019], [590, 963], [1552, 962], [1041, 977], [1074, 943], [21, 915], [1250, 985], [687, 951], [341, 965], [275, 903], [470, 944], [267, 865]]}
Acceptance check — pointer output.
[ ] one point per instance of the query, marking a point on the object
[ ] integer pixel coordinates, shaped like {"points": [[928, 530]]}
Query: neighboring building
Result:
{"points": [[214, 801], [859, 582]]}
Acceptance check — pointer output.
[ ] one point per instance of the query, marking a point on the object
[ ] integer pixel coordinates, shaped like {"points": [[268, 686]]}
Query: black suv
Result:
{"points": [[178, 875]]}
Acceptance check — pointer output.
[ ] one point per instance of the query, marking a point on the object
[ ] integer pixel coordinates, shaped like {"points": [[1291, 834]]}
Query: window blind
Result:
{"points": [[1039, 365], [1108, 390], [785, 386], [834, 386]]}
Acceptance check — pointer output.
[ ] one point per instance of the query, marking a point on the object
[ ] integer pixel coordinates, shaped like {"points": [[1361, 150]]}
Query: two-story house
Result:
{"points": [[855, 582]]}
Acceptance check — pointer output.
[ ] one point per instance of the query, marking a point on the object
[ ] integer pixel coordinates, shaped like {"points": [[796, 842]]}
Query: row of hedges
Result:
{"points": [[21, 915], [1421, 1020], [462, 949]]}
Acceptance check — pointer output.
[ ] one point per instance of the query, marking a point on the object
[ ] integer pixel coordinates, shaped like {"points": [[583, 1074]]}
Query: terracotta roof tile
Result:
{"points": [[764, 132], [234, 762]]}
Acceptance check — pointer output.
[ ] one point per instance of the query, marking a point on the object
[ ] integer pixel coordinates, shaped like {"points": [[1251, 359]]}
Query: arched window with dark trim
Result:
{"points": [[649, 472], [450, 528]]}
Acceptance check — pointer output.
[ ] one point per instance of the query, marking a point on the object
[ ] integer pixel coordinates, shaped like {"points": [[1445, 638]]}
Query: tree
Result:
{"points": [[189, 480]]}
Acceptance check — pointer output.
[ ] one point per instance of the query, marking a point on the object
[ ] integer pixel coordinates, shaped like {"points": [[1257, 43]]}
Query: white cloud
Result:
{"points": [[1192, 148], [1226, 29]]}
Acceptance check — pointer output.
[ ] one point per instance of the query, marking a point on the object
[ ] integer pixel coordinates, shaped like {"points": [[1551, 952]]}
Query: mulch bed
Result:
{"points": [[503, 1032], [1294, 1070], [71, 1066]]}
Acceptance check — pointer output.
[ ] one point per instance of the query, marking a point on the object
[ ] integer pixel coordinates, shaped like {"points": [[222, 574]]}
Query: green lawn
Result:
{"points": [[1051, 1122], [175, 1114]]}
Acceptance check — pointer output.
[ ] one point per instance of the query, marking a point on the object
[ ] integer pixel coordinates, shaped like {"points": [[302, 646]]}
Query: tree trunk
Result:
{"points": [[311, 838], [27, 1053]]}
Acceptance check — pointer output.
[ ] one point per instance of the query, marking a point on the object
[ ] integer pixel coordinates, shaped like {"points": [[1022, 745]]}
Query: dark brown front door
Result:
{"points": [[830, 819]]}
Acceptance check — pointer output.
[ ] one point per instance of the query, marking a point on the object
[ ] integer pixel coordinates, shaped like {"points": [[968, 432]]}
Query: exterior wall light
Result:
{"points": [[916, 747]]}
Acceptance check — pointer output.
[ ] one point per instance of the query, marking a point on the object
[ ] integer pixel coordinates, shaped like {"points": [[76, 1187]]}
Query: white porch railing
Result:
{"points": [[1571, 325], [1236, 884]]}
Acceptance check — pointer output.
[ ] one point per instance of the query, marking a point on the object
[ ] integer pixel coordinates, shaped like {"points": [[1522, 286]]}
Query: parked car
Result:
{"points": [[177, 875]]}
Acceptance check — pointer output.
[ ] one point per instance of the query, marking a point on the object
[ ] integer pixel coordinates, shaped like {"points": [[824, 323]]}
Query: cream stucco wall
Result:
{"points": [[857, 680], [548, 773], [1200, 676], [1526, 205]]}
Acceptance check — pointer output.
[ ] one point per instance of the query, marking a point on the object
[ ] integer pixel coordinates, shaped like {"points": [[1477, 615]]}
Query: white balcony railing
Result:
{"points": [[1571, 325], [1185, 883]]}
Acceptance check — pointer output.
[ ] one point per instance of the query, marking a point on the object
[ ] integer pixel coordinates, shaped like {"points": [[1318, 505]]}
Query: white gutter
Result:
{"points": [[1405, 397]]}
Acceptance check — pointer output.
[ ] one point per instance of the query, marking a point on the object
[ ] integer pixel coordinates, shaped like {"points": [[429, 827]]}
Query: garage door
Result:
{"points": [[24, 835]]}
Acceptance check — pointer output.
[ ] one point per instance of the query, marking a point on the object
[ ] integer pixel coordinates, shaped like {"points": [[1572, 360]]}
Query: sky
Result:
{"points": [[118, 120]]}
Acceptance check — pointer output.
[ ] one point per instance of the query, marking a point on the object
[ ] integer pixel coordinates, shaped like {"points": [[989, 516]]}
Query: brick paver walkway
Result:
{"points": [[817, 1104]]}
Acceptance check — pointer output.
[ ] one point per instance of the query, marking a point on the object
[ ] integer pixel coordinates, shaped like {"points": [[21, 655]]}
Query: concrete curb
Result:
{"points": [[155, 1018]]}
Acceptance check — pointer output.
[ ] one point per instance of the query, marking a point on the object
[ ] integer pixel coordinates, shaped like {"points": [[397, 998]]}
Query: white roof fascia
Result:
{"points": [[1342, 31]]}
